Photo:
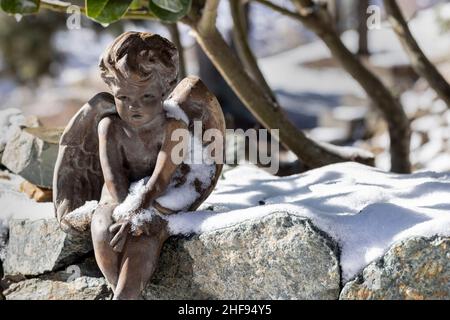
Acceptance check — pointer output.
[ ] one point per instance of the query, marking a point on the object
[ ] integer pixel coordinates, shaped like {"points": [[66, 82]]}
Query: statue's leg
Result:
{"points": [[107, 259], [139, 261]]}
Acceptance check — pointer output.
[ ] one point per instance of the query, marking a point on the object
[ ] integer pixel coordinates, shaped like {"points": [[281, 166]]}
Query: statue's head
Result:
{"points": [[141, 70]]}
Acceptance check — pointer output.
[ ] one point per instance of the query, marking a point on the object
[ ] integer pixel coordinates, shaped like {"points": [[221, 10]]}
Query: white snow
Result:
{"points": [[16, 204], [81, 217], [329, 134], [173, 110], [366, 210], [444, 12], [177, 196], [201, 168], [181, 198], [350, 113]]}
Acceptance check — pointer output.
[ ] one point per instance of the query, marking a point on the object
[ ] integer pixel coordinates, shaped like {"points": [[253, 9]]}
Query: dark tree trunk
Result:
{"points": [[363, 31]]}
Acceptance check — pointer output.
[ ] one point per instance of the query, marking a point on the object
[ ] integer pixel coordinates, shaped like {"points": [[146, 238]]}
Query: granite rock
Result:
{"points": [[31, 153], [39, 246], [277, 257], [415, 269]]}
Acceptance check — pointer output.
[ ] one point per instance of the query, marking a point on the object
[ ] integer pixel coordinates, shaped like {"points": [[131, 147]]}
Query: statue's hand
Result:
{"points": [[120, 231]]}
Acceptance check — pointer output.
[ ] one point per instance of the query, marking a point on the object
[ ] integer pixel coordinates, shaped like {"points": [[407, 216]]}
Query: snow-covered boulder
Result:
{"points": [[415, 269], [277, 257], [260, 236]]}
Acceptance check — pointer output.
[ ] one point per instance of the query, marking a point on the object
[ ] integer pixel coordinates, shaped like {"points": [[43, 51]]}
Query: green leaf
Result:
{"points": [[107, 11], [20, 6], [167, 15], [138, 4], [174, 6]]}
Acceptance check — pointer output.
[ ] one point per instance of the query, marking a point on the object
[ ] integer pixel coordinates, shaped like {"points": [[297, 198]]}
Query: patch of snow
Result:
{"points": [[350, 113], [18, 205], [82, 216], [303, 79], [345, 151], [174, 111], [177, 196], [181, 198], [444, 11], [329, 134]]}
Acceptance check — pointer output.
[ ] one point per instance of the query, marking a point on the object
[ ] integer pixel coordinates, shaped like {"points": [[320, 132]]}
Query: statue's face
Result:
{"points": [[139, 104]]}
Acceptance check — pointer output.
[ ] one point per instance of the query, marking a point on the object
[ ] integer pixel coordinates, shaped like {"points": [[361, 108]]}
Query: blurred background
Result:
{"points": [[49, 71]]}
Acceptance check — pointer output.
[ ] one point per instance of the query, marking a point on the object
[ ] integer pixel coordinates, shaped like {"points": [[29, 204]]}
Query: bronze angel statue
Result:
{"points": [[116, 165]]}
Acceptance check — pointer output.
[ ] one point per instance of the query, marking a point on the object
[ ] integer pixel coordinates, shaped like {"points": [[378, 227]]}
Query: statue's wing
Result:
{"points": [[78, 175], [199, 104]]}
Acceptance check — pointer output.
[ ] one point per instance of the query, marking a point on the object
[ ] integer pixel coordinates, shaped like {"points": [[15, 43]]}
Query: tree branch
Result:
{"points": [[390, 107], [310, 152], [279, 9], [175, 36], [208, 19], [243, 48], [419, 61]]}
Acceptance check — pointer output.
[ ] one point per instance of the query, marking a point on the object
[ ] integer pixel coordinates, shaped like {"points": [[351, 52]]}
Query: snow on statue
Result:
{"points": [[115, 169]]}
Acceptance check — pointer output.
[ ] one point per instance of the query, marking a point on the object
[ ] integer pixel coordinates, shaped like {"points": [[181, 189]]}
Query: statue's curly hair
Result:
{"points": [[137, 56]]}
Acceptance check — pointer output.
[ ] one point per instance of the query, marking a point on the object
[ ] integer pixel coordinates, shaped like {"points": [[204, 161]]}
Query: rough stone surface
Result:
{"points": [[415, 269], [40, 246], [11, 120], [31, 153], [278, 257], [82, 288]]}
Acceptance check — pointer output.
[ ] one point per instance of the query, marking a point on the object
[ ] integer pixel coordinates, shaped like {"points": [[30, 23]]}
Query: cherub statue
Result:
{"points": [[117, 151]]}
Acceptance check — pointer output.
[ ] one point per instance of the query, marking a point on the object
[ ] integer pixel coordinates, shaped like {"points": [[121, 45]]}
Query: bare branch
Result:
{"points": [[175, 37], [399, 127], [419, 61], [207, 22], [310, 152], [244, 51], [279, 9]]}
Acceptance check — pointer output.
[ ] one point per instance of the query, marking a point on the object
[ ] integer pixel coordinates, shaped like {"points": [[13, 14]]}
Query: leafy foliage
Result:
{"points": [[107, 11], [165, 9], [20, 6], [174, 6]]}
